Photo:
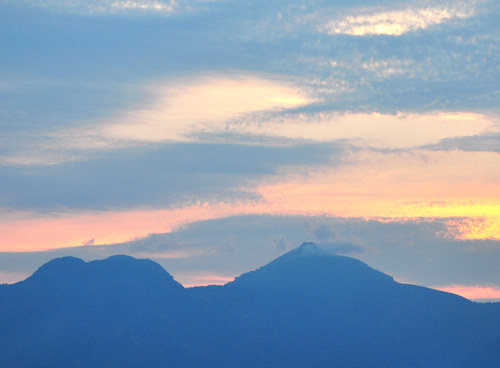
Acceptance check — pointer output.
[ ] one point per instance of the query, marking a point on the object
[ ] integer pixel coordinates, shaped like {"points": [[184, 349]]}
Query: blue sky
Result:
{"points": [[213, 136]]}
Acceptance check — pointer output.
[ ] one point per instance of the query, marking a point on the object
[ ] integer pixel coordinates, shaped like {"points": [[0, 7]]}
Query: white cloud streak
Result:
{"points": [[144, 5], [255, 109], [108, 6], [204, 105], [397, 22], [243, 109], [375, 130]]}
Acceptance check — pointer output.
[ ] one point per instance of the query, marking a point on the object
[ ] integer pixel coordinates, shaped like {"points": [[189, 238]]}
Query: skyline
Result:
{"points": [[212, 136]]}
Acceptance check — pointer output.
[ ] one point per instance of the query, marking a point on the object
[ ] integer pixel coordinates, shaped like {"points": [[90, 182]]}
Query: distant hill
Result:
{"points": [[307, 308]]}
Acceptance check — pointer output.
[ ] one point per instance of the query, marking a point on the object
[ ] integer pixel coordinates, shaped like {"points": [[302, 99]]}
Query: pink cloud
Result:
{"points": [[204, 280], [371, 185], [31, 232], [12, 277], [473, 292]]}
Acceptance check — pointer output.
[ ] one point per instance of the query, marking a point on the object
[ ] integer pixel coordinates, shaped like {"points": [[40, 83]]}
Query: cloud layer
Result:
{"points": [[412, 250]]}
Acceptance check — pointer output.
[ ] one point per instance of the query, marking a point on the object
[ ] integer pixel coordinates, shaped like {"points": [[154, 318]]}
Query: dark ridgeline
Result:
{"points": [[304, 309]]}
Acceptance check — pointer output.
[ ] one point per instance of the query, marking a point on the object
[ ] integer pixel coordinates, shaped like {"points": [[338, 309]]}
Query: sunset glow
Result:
{"points": [[423, 184], [213, 136]]}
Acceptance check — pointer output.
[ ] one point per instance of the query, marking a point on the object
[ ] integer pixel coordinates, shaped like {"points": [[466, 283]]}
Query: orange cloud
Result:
{"points": [[397, 185], [31, 232], [372, 185], [475, 228]]}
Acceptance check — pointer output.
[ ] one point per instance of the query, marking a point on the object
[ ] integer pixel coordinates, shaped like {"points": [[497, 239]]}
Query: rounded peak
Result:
{"points": [[61, 263], [123, 264], [118, 260], [57, 267], [125, 267], [117, 269], [68, 260]]}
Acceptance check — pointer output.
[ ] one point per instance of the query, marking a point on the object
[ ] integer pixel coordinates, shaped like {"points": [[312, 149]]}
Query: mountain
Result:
{"points": [[305, 308], [72, 313]]}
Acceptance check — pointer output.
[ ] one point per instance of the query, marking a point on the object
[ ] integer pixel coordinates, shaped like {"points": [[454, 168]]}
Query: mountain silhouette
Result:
{"points": [[120, 271], [307, 308]]}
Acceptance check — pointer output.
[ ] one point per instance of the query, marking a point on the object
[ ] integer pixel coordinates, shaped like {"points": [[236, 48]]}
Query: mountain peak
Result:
{"points": [[309, 248], [117, 269], [311, 264], [58, 267]]}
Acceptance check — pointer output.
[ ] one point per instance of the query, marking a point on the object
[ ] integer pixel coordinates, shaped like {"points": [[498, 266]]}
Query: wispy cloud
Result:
{"points": [[180, 110], [398, 22], [143, 5], [485, 227], [385, 68], [375, 129], [108, 6], [243, 111]]}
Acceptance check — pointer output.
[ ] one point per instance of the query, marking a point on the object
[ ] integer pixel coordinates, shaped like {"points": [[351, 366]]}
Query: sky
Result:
{"points": [[212, 136]]}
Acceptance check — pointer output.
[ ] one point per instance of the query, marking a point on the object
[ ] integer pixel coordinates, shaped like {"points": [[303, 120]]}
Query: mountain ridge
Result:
{"points": [[306, 308]]}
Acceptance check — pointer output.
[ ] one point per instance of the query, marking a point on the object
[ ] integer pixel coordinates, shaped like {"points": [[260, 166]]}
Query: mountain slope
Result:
{"points": [[329, 309], [306, 308]]}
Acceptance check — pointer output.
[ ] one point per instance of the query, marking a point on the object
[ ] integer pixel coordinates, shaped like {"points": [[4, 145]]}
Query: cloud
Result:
{"points": [[27, 231], [487, 227], [143, 5], [248, 112], [389, 67], [187, 108], [412, 250], [177, 120], [92, 7], [396, 184], [392, 185], [177, 111], [473, 292], [163, 176], [398, 22], [350, 249], [170, 253], [323, 232], [403, 130], [482, 142]]}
